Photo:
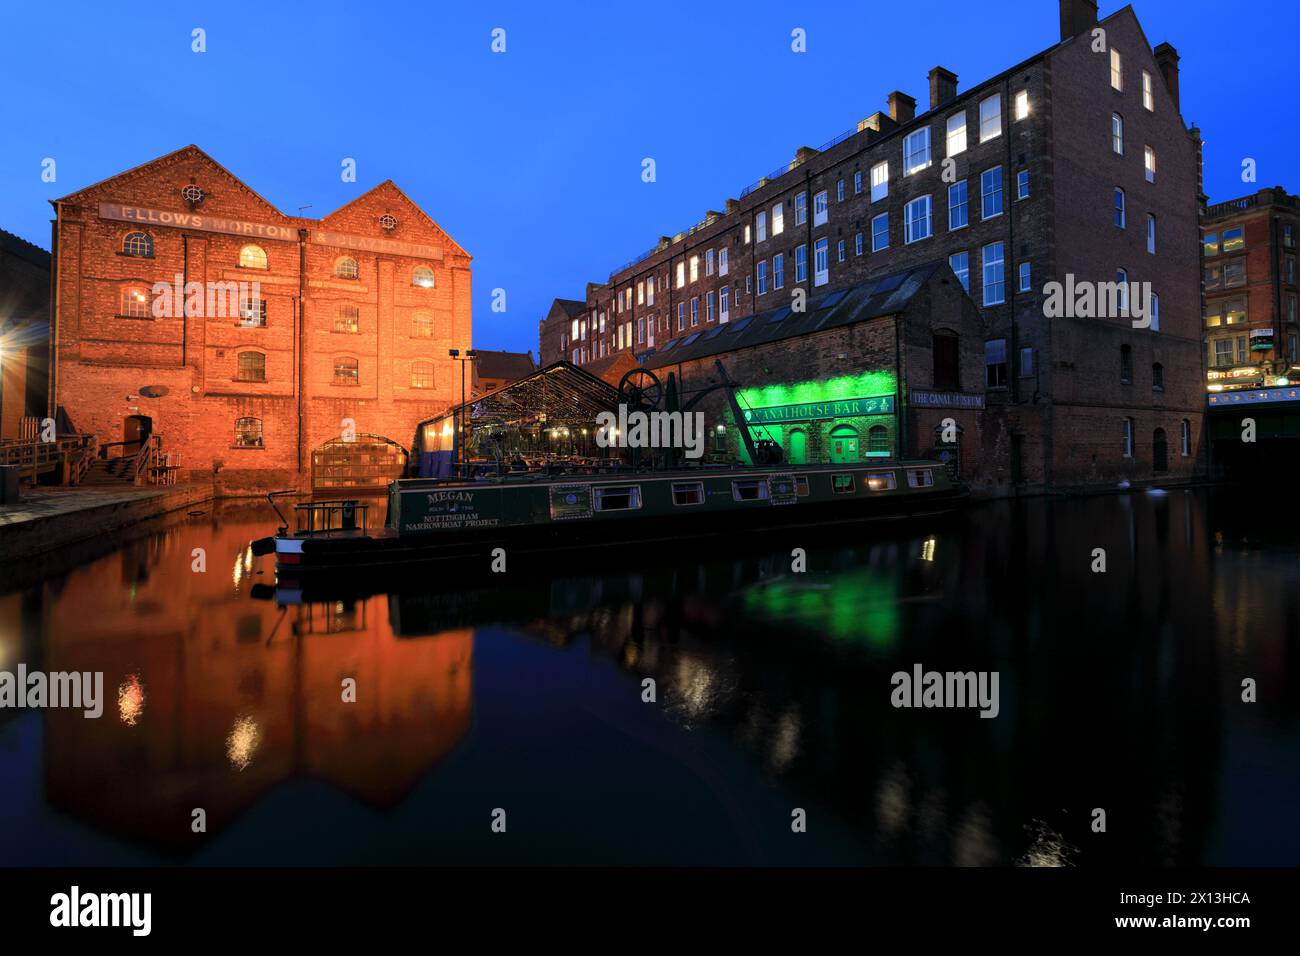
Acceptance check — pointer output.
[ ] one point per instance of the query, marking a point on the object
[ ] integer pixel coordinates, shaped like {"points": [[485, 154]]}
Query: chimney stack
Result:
{"points": [[902, 108], [1077, 16], [1167, 62], [943, 86]]}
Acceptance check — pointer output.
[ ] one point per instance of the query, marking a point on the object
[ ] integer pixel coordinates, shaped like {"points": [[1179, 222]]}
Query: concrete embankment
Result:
{"points": [[49, 518]]}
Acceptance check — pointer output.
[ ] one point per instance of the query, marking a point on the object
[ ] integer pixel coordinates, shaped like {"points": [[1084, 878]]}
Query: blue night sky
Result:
{"points": [[531, 159]]}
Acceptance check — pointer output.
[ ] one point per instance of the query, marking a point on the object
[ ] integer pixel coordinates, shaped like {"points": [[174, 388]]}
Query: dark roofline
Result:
{"points": [[28, 251]]}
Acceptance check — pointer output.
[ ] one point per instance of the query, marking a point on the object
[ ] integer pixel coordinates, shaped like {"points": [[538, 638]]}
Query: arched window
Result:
{"points": [[878, 441], [252, 257], [248, 433], [944, 343], [135, 302], [348, 319], [423, 277], [346, 371], [422, 325], [346, 268], [138, 244], [252, 367], [421, 375]]}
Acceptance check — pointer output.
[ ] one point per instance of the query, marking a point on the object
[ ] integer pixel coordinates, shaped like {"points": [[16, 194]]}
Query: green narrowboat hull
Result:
{"points": [[460, 521]]}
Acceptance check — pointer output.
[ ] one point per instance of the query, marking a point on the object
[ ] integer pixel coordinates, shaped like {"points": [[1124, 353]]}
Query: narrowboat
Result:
{"points": [[458, 520]]}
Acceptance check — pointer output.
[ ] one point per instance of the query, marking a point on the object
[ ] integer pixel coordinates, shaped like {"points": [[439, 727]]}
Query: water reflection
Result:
{"points": [[1120, 690]]}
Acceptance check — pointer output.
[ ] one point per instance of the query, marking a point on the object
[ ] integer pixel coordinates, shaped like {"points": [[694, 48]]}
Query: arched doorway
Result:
{"points": [[844, 443], [798, 447], [365, 464], [1159, 451]]}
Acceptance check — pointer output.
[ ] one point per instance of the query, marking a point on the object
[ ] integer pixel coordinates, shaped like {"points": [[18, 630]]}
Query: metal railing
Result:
{"points": [[319, 517]]}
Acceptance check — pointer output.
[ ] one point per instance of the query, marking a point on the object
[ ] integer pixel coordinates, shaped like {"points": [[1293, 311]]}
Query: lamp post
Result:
{"points": [[460, 415]]}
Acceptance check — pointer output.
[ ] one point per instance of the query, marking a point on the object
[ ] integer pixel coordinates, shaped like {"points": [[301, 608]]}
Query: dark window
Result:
{"points": [[252, 313], [346, 372], [138, 244], [688, 492], [252, 367], [348, 319], [749, 490], [946, 361], [878, 439], [619, 498], [1126, 365], [842, 484], [995, 363], [1158, 376]]}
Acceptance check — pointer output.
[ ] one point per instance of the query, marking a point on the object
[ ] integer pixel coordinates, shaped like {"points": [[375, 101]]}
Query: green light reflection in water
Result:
{"points": [[858, 606]]}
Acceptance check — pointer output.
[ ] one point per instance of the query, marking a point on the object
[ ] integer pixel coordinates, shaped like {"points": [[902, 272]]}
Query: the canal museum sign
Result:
{"points": [[812, 411]]}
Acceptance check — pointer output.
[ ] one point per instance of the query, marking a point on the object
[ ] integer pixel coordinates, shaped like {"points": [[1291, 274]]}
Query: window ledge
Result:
{"points": [[137, 318], [248, 448]]}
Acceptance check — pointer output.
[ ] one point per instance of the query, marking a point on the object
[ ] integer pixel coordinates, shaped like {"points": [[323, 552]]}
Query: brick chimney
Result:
{"points": [[1167, 62], [943, 86], [1077, 16], [902, 108]]}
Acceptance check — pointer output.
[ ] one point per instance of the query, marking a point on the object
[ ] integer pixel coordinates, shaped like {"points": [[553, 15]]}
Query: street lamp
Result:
{"points": [[460, 416]]}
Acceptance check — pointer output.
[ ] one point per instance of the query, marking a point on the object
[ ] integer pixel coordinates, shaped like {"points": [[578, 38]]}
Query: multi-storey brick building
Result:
{"points": [[1252, 328], [187, 306], [1075, 162]]}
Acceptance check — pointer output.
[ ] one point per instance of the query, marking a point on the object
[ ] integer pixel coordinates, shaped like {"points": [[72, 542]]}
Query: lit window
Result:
{"points": [[252, 257], [916, 220], [346, 372], [1148, 94], [994, 279], [421, 375], [880, 232], [778, 219], [916, 151], [1116, 70], [422, 277], [819, 209], [1149, 162], [821, 265], [346, 268], [695, 268], [348, 319], [681, 274], [1022, 104], [135, 302], [957, 133], [990, 118], [251, 367], [248, 433], [879, 181], [138, 244]]}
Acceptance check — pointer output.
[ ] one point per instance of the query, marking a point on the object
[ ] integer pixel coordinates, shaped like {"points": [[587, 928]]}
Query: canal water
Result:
{"points": [[772, 737]]}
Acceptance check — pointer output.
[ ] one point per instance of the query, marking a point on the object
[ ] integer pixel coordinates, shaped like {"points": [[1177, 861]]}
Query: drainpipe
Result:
{"points": [[302, 310], [1013, 359]]}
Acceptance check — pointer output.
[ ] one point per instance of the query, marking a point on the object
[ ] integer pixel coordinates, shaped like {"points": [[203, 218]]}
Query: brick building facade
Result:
{"points": [[1075, 162], [24, 334], [301, 331], [1252, 320]]}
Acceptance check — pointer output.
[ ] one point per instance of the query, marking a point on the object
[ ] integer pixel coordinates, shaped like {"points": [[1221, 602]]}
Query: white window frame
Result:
{"points": [[1020, 109], [991, 118], [955, 133], [916, 151], [964, 205], [778, 219], [880, 181], [986, 264], [874, 220], [918, 220], [1116, 70], [821, 209], [722, 263], [1148, 92], [986, 193], [821, 263]]}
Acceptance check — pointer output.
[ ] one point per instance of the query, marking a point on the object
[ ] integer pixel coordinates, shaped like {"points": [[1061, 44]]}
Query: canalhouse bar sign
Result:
{"points": [[201, 222], [924, 398], [808, 411]]}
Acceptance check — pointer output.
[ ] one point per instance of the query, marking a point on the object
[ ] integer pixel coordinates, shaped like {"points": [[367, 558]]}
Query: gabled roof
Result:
{"points": [[153, 165], [562, 392], [883, 295], [21, 248], [389, 186], [507, 365], [570, 307]]}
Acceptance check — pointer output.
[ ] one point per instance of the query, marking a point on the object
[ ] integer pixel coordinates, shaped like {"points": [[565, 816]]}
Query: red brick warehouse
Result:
{"points": [[304, 328]]}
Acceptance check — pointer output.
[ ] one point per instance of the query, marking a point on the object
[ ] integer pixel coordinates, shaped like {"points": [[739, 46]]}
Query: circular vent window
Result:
{"points": [[388, 222], [192, 193]]}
